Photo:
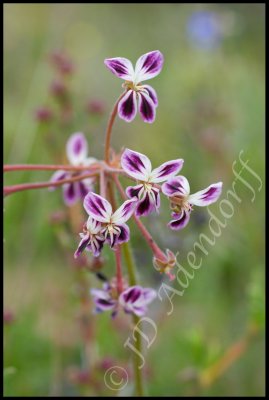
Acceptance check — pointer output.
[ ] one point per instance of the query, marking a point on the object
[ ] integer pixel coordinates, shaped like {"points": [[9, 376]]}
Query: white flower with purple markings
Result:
{"points": [[77, 155], [134, 299], [91, 238], [138, 166], [113, 226], [137, 96], [178, 190]]}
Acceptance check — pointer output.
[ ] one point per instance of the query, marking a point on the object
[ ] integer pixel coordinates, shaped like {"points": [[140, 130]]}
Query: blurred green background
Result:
{"points": [[211, 107]]}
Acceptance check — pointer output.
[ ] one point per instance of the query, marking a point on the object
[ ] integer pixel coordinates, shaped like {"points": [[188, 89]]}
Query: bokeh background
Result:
{"points": [[211, 107]]}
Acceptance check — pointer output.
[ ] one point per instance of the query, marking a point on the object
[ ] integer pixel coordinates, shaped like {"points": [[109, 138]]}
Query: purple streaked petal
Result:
{"points": [[97, 207], [77, 148], [124, 235], [206, 196], [82, 245], [181, 221], [58, 176], [152, 94], [124, 212], [135, 164], [71, 193], [148, 66], [166, 170], [121, 67], [93, 226], [83, 190], [134, 191], [127, 107], [144, 206], [155, 193], [95, 246], [104, 305], [147, 108], [130, 295], [177, 186]]}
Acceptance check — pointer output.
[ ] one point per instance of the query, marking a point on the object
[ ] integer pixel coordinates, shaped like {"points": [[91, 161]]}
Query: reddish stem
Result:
{"points": [[145, 233], [39, 185], [109, 128], [44, 167]]}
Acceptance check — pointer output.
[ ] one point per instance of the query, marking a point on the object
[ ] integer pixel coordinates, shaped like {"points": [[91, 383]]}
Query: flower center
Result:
{"points": [[132, 86], [179, 203], [147, 186]]}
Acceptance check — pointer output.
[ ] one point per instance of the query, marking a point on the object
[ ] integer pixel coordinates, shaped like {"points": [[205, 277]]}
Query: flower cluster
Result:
{"points": [[93, 182]]}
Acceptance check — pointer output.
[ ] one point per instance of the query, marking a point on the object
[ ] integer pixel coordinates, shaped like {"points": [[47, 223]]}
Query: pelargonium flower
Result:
{"points": [[137, 95], [133, 300], [92, 239], [114, 229], [76, 151], [178, 190], [138, 166]]}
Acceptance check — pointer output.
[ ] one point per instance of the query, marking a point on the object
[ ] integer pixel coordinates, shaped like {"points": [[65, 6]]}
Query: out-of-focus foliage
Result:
{"points": [[211, 108]]}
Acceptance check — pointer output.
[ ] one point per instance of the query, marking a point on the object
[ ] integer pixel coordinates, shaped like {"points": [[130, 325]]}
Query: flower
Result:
{"points": [[133, 300], [178, 190], [92, 239], [114, 228], [138, 166], [76, 151], [144, 97], [165, 264]]}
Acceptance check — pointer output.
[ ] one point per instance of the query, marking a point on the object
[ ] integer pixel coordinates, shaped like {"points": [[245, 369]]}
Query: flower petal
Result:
{"points": [[127, 107], [93, 226], [149, 295], [82, 245], [177, 186], [104, 305], [77, 148], [121, 67], [147, 108], [145, 206], [148, 66], [155, 195], [206, 196], [181, 221], [130, 295], [124, 212], [96, 246], [152, 94], [71, 193], [124, 235], [136, 164], [134, 191], [97, 207], [58, 176], [166, 170]]}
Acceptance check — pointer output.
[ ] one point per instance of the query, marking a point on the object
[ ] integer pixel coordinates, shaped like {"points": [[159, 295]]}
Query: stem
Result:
{"points": [[39, 185], [145, 233], [44, 167], [130, 263], [109, 128], [118, 269], [102, 184]]}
